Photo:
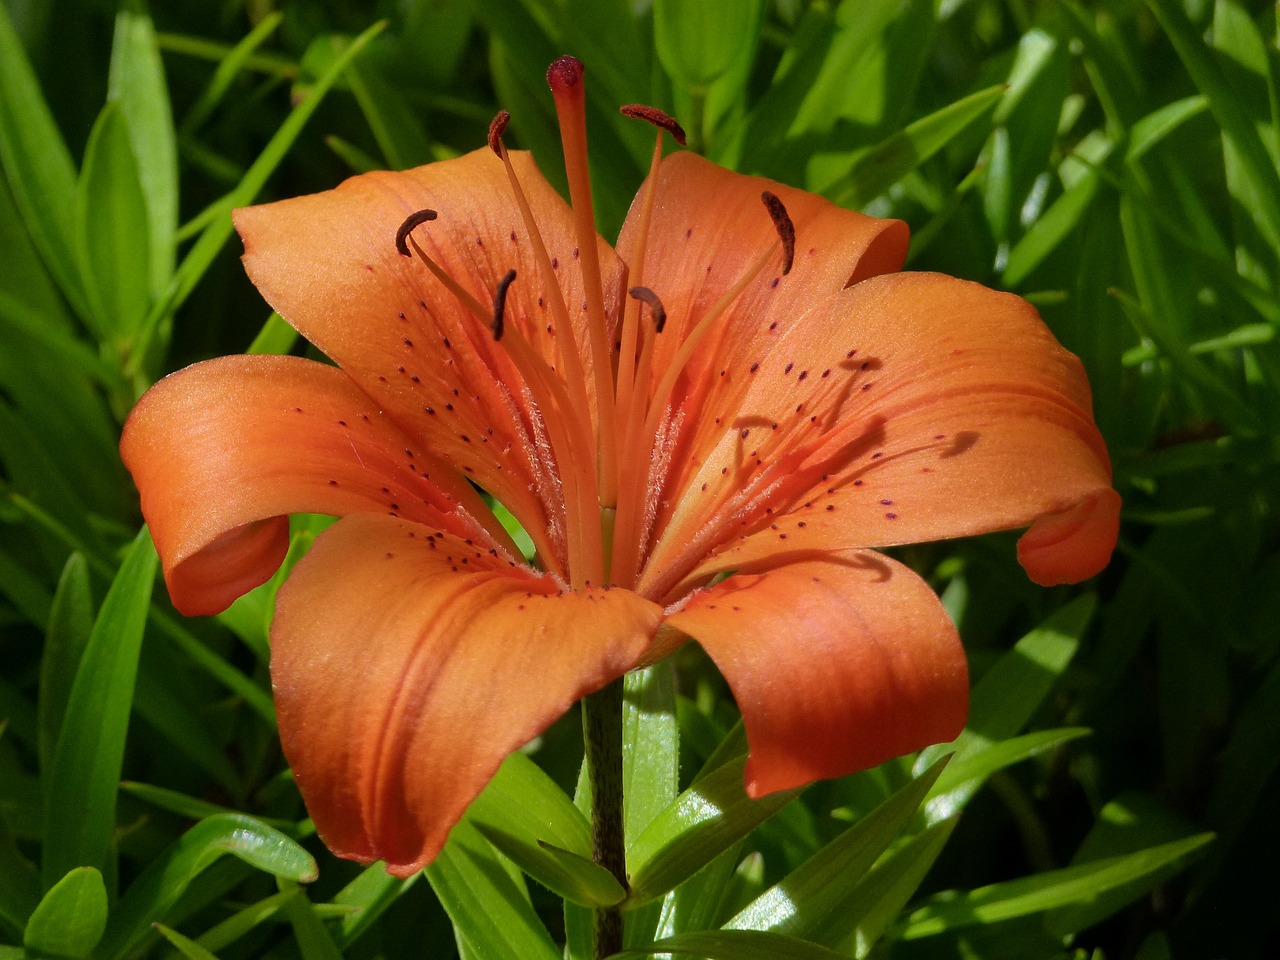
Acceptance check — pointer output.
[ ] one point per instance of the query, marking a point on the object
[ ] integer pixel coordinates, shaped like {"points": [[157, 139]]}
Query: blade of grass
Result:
{"points": [[90, 751], [38, 165], [219, 230], [137, 83]]}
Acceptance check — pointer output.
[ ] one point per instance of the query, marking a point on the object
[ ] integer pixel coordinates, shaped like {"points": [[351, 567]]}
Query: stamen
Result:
{"points": [[646, 295], [497, 127], [661, 120], [500, 303], [406, 228], [786, 229], [465, 298]]}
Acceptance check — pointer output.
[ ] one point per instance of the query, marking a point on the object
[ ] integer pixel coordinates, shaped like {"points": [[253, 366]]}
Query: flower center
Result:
{"points": [[607, 423]]}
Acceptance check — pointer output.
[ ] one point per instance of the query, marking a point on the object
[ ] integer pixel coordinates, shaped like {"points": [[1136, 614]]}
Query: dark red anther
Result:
{"points": [[500, 304], [786, 229], [645, 295], [410, 222], [661, 120], [497, 127]]}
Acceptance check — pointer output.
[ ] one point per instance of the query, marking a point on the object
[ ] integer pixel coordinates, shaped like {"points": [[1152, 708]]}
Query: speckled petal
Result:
{"points": [[408, 663], [223, 451], [908, 408], [836, 664], [328, 263]]}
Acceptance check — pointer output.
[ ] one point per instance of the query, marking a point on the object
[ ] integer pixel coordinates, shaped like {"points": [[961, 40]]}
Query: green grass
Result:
{"points": [[1114, 163]]}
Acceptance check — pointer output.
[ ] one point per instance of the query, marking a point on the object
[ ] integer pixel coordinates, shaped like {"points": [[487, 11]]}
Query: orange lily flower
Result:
{"points": [[715, 455]]}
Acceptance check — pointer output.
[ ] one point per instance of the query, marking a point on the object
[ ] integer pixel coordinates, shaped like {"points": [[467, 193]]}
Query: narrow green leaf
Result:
{"points": [[966, 775], [1047, 891], [1256, 163], [1048, 232], [70, 625], [111, 227], [243, 921], [396, 127], [72, 355], [1190, 366], [732, 945], [137, 83], [229, 68], [488, 909], [71, 918], [276, 336], [1155, 126], [525, 815], [370, 894], [19, 879], [822, 886], [872, 171], [86, 764], [697, 42], [185, 945], [882, 893], [219, 230], [150, 897], [523, 801], [28, 594], [703, 822], [38, 165], [313, 940], [1012, 690], [650, 745]]}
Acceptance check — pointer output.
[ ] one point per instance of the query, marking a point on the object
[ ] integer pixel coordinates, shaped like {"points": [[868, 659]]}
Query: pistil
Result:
{"points": [[564, 77]]}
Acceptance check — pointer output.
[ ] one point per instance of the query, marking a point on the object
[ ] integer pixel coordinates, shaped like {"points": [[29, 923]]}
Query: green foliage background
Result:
{"points": [[1115, 163]]}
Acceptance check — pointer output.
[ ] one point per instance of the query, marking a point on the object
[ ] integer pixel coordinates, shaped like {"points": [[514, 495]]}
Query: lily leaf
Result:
{"points": [[71, 918], [185, 945], [70, 625], [137, 83], [732, 945], [525, 815], [872, 171], [822, 886], [150, 897], [86, 764], [1051, 890], [38, 165], [488, 908], [703, 822]]}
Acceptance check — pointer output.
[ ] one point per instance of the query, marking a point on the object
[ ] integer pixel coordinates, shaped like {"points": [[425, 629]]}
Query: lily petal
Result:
{"points": [[407, 664], [328, 263], [224, 450], [836, 664], [908, 408], [709, 228]]}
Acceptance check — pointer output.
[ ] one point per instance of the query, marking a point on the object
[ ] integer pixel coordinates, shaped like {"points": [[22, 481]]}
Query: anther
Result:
{"points": [[661, 120], [645, 295], [406, 228], [786, 229], [500, 303], [497, 127]]}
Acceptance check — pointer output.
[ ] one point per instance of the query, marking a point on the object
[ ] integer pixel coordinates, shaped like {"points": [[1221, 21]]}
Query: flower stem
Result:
{"points": [[602, 731]]}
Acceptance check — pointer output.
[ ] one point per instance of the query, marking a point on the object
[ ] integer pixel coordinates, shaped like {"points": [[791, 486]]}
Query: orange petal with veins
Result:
{"points": [[836, 664], [408, 663], [224, 450], [328, 263], [908, 408]]}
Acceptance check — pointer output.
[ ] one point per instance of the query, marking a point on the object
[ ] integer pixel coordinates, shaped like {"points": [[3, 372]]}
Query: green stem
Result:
{"points": [[602, 731]]}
